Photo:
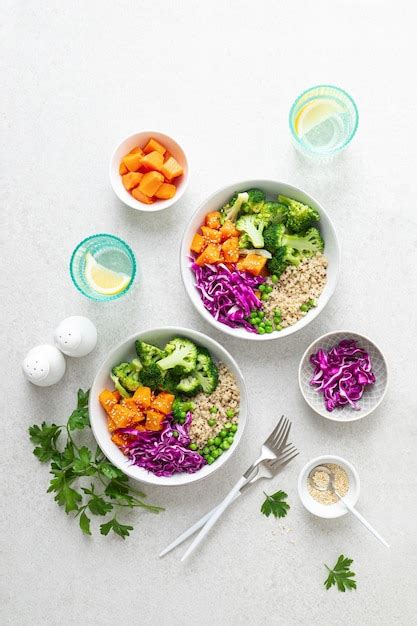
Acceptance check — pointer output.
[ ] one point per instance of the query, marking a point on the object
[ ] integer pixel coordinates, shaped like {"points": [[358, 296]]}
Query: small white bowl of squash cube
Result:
{"points": [[149, 171]]}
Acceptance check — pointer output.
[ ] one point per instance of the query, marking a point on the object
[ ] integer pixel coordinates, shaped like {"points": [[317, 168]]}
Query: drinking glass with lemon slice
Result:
{"points": [[323, 121], [103, 267]]}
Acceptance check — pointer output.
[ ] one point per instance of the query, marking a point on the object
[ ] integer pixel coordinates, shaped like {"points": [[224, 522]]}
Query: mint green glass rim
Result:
{"points": [[77, 276], [337, 91]]}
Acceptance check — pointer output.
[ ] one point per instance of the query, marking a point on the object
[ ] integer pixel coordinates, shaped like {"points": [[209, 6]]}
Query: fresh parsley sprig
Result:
{"points": [[275, 504], [70, 463], [341, 575]]}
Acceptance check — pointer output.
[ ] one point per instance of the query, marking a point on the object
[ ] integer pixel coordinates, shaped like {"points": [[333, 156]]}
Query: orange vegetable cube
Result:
{"points": [[154, 420], [152, 161], [163, 402], [118, 439], [166, 191], [171, 168], [108, 400], [138, 195], [150, 183], [132, 179], [231, 250], [136, 150], [142, 397], [198, 243], [211, 235], [132, 406], [213, 219], [122, 169], [154, 145], [132, 162], [252, 263], [211, 254], [228, 230], [122, 416]]}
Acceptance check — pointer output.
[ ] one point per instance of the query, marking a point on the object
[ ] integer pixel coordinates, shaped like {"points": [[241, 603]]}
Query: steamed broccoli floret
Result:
{"points": [[307, 243], [118, 386], [255, 201], [152, 376], [244, 241], [147, 353], [190, 385], [181, 355], [273, 212], [231, 210], [206, 371], [127, 375], [180, 409], [273, 236], [170, 382], [299, 216], [253, 226], [283, 257]]}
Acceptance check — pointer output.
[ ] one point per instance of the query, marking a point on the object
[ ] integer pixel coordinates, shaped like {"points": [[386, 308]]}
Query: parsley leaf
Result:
{"points": [[85, 524], [69, 463], [340, 575], [275, 504], [46, 437], [120, 529]]}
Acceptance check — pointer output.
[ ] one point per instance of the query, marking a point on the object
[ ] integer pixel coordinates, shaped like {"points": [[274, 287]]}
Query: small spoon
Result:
{"points": [[330, 486]]}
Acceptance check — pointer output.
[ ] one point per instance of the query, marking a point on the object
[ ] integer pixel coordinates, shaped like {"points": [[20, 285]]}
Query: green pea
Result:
{"points": [[210, 459], [212, 448], [225, 445], [269, 329], [211, 422], [230, 413], [268, 289], [175, 433], [214, 409], [206, 450], [193, 446], [234, 428], [274, 278], [219, 452], [217, 441], [262, 287], [215, 453], [278, 327], [261, 331], [304, 308], [261, 314], [223, 434], [230, 440], [227, 425]]}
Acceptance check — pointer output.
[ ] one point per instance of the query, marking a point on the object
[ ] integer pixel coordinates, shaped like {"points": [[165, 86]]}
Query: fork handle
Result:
{"points": [[187, 533], [215, 516]]}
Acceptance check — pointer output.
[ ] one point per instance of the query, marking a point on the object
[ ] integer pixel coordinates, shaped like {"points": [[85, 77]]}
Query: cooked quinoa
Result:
{"points": [[225, 397], [296, 286]]}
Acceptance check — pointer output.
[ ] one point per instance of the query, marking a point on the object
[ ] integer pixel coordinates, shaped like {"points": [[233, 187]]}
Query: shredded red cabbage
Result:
{"points": [[162, 453], [228, 294], [342, 374]]}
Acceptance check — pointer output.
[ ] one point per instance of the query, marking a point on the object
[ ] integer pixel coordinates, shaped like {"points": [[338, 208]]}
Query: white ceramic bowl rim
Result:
{"points": [[338, 417], [188, 278], [97, 417], [328, 511], [173, 147]]}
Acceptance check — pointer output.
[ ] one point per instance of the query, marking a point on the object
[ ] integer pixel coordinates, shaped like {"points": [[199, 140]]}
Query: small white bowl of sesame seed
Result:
{"points": [[325, 503]]}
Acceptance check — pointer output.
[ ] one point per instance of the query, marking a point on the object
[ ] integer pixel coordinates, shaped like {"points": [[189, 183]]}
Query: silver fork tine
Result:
{"points": [[276, 430], [279, 440], [284, 462]]}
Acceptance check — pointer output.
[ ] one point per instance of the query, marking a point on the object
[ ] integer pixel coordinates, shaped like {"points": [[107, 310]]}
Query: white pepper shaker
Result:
{"points": [[76, 336], [44, 365]]}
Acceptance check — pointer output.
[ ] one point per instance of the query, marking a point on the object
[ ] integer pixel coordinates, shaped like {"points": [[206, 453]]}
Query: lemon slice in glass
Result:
{"points": [[313, 114], [103, 280]]}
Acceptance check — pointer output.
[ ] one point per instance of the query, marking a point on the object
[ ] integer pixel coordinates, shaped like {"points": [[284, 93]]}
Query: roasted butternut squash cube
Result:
{"points": [[142, 397], [122, 169], [211, 235], [138, 195], [163, 402], [211, 254], [154, 145], [132, 161], [150, 183], [131, 180], [231, 250], [108, 400], [252, 263], [136, 150], [152, 161], [213, 220], [171, 168], [228, 230], [198, 244], [154, 420], [166, 191]]}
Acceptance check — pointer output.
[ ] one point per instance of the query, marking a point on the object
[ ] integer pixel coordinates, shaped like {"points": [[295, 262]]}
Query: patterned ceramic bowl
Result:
{"points": [[373, 394]]}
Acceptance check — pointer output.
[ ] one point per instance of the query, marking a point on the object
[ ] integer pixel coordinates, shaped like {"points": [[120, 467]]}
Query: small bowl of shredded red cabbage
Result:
{"points": [[343, 376]]}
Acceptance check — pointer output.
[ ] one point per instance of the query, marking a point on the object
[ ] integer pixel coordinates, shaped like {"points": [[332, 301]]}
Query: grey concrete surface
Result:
{"points": [[220, 77]]}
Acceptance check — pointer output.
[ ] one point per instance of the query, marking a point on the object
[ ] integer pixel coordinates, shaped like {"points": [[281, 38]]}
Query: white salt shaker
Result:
{"points": [[44, 365], [76, 336]]}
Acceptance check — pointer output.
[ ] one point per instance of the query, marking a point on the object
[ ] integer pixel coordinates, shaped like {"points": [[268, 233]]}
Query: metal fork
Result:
{"points": [[270, 450], [267, 469]]}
